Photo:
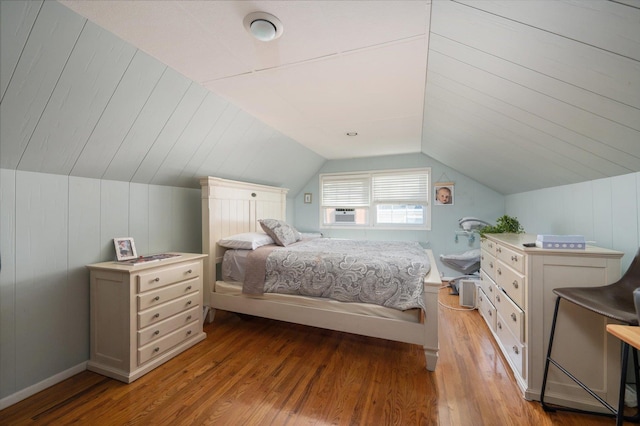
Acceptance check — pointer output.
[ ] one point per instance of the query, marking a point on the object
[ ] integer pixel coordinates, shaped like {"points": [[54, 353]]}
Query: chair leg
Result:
{"points": [[637, 376], [612, 410], [547, 361], [636, 369], [623, 383]]}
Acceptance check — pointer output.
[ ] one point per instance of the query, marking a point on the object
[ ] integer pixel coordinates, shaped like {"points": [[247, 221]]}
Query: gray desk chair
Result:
{"points": [[613, 301]]}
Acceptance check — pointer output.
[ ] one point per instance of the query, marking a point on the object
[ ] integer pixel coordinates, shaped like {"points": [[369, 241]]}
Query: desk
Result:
{"points": [[626, 333], [630, 335]]}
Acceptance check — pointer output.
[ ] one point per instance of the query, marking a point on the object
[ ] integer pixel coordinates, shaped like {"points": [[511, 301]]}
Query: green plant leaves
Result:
{"points": [[505, 224]]}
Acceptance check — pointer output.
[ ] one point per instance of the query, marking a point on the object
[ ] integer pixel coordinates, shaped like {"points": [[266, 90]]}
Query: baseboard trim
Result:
{"points": [[47, 383]]}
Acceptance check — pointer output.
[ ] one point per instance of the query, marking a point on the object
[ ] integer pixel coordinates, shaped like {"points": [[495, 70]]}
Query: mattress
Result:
{"points": [[233, 271]]}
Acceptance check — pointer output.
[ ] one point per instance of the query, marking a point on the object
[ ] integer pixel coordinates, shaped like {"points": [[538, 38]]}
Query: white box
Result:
{"points": [[561, 242]]}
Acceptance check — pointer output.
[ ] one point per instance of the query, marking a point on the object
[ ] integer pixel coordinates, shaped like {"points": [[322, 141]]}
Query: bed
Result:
{"points": [[231, 207]]}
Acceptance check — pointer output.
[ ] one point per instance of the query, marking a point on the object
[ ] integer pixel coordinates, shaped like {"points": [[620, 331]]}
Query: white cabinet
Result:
{"points": [[143, 315], [516, 300]]}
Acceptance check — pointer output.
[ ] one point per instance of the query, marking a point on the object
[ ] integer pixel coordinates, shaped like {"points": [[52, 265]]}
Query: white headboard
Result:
{"points": [[232, 207]]}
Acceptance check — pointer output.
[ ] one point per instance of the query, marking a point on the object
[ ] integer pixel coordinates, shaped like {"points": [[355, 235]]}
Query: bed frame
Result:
{"points": [[232, 207]]}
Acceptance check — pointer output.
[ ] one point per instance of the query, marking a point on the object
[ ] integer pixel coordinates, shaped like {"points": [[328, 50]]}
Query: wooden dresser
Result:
{"points": [[143, 315], [515, 298]]}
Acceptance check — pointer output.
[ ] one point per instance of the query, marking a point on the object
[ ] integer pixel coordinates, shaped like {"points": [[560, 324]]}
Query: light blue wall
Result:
{"points": [[605, 211], [51, 227], [470, 199]]}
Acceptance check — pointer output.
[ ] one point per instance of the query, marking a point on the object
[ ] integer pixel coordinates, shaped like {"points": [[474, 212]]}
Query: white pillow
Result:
{"points": [[246, 241]]}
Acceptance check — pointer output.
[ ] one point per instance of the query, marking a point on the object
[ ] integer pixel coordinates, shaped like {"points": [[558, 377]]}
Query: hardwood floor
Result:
{"points": [[260, 372]]}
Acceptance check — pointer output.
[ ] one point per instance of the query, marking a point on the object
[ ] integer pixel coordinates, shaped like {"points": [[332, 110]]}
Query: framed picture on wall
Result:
{"points": [[443, 193], [125, 248]]}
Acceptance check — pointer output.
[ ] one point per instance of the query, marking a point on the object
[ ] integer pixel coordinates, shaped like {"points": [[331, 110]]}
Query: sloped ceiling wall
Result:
{"points": [[520, 95], [79, 101], [523, 95]]}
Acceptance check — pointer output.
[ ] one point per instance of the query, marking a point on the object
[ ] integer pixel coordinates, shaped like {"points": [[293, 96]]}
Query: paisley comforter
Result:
{"points": [[385, 273]]}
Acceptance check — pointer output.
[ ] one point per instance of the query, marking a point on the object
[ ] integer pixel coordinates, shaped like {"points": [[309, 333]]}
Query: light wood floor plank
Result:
{"points": [[260, 372]]}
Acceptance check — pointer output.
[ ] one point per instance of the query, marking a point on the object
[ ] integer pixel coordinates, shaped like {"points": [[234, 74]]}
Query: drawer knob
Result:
{"points": [[156, 298], [157, 279], [189, 302], [156, 316], [500, 325], [155, 333], [490, 289], [491, 265], [188, 332], [189, 271], [490, 313], [156, 349], [514, 258], [498, 299], [189, 317], [499, 250], [516, 350], [513, 317], [499, 271], [188, 288], [482, 257]]}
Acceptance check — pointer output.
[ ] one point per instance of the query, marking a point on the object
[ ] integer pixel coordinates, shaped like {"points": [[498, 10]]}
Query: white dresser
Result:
{"points": [[516, 300], [143, 315]]}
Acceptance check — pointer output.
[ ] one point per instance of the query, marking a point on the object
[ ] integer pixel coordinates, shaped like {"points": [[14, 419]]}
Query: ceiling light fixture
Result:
{"points": [[263, 26]]}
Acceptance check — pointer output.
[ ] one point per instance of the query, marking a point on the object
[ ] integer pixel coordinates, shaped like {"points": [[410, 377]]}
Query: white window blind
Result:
{"points": [[412, 188], [352, 191], [385, 199]]}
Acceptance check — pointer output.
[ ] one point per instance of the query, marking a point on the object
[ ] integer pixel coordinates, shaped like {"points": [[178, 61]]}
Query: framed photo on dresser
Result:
{"points": [[125, 248]]}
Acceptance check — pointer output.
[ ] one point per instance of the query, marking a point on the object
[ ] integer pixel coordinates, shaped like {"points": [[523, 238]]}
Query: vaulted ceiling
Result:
{"points": [[518, 95]]}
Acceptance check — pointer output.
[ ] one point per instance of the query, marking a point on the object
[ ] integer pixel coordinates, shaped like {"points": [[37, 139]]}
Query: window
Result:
{"points": [[397, 199]]}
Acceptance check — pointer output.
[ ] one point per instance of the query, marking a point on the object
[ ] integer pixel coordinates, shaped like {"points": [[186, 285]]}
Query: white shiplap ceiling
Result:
{"points": [[340, 66], [518, 95]]}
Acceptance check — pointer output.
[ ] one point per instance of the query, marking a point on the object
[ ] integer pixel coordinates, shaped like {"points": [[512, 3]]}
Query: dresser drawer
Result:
{"points": [[160, 346], [161, 312], [488, 263], [488, 246], [487, 310], [488, 286], [511, 346], [163, 328], [165, 294], [512, 315], [510, 257], [511, 282], [164, 276]]}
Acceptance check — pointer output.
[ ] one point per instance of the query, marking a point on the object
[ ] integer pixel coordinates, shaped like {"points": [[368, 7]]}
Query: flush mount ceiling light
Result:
{"points": [[263, 26]]}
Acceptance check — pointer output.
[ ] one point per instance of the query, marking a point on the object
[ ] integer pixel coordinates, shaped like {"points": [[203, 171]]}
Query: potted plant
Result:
{"points": [[504, 224]]}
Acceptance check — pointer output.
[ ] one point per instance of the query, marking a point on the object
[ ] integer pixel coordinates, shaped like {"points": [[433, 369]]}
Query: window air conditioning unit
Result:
{"points": [[344, 216]]}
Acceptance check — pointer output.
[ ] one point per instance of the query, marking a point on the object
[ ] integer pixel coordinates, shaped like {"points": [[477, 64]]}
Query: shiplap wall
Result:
{"points": [[470, 199], [79, 101], [52, 226], [549, 90], [606, 211]]}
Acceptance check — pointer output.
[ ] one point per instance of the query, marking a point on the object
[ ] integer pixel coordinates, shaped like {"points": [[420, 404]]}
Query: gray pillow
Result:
{"points": [[282, 233]]}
